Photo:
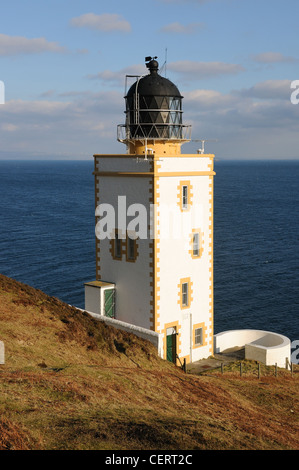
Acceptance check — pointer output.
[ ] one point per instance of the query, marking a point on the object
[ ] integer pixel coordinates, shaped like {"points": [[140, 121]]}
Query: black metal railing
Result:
{"points": [[152, 131]]}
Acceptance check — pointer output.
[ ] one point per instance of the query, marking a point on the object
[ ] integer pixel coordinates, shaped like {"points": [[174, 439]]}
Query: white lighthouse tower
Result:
{"points": [[154, 225]]}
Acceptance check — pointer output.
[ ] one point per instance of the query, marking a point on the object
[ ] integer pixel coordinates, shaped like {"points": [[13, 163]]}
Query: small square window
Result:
{"points": [[198, 336]]}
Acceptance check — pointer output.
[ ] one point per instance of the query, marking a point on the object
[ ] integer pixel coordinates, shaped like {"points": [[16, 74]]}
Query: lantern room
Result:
{"points": [[153, 109]]}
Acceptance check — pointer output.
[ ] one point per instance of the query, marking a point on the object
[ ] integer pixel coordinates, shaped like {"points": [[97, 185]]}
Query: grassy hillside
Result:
{"points": [[70, 382]]}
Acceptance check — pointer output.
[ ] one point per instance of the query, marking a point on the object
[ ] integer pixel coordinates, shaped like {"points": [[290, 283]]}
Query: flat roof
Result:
{"points": [[99, 284]]}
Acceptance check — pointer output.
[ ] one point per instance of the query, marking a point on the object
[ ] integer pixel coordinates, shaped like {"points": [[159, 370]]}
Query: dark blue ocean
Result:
{"points": [[47, 237]]}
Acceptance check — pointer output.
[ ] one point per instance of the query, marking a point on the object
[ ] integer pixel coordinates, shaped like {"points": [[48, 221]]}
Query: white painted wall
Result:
{"points": [[155, 338], [93, 299], [176, 263], [133, 280], [185, 162], [263, 346]]}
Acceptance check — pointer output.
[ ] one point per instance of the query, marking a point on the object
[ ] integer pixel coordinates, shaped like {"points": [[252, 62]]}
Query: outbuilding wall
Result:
{"points": [[263, 346]]}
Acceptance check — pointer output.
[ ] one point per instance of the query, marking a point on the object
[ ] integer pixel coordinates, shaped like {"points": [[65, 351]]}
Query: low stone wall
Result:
{"points": [[155, 338], [2, 358], [263, 346]]}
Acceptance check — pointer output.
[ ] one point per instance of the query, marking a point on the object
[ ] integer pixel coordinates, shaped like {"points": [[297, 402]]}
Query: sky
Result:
{"points": [[63, 64]]}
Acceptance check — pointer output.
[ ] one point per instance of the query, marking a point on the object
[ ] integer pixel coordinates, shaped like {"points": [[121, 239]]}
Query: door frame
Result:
{"points": [[173, 345], [177, 328]]}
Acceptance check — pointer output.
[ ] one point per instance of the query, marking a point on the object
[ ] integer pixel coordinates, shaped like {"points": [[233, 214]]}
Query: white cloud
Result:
{"points": [[245, 126], [78, 128], [15, 45], [106, 22], [272, 58], [198, 70], [110, 77], [269, 89], [187, 69], [8, 127], [84, 123], [179, 28], [209, 99], [47, 94]]}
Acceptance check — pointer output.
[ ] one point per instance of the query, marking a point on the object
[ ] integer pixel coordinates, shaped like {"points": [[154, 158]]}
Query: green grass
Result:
{"points": [[70, 382]]}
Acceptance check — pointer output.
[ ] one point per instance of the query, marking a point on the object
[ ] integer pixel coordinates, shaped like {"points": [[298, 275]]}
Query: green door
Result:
{"points": [[171, 346], [109, 306]]}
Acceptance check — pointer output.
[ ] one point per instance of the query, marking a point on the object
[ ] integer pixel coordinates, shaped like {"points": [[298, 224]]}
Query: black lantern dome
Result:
{"points": [[153, 107]]}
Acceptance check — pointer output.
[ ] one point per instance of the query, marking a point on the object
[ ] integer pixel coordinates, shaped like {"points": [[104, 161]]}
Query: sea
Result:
{"points": [[47, 237]]}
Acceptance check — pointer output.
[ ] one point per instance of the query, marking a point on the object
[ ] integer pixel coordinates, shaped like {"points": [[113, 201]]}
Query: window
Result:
{"points": [[185, 294], [117, 247], [198, 337], [131, 249], [195, 248], [131, 246], [196, 243], [184, 197]]}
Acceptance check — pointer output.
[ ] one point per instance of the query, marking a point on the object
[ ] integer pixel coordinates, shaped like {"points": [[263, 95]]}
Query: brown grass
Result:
{"points": [[12, 437], [70, 382]]}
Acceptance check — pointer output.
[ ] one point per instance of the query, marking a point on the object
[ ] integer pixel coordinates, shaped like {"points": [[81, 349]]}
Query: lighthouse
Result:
{"points": [[154, 224]]}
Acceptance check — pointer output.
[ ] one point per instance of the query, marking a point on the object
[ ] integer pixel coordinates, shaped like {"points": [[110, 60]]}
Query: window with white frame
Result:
{"points": [[184, 197], [198, 336], [196, 246], [185, 294]]}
